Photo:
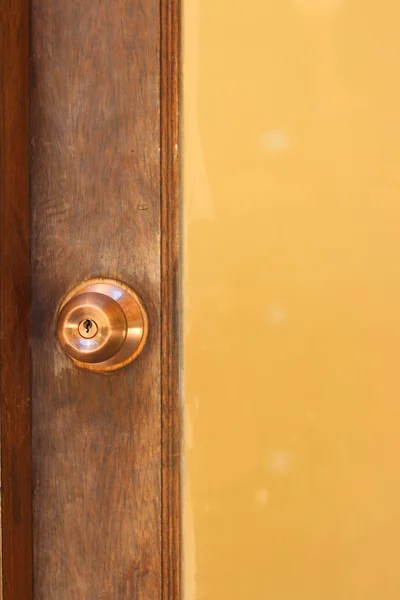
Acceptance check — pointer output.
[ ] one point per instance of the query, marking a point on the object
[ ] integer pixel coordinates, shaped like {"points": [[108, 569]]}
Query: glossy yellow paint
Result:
{"points": [[291, 145]]}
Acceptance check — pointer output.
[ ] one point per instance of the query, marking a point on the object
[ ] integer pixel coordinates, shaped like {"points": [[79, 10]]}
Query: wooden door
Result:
{"points": [[90, 461]]}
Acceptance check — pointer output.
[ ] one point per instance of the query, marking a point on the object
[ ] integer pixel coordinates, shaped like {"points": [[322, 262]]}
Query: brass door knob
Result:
{"points": [[102, 325]]}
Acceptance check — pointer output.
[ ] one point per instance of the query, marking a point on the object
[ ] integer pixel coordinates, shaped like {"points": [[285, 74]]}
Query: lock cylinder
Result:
{"points": [[102, 325]]}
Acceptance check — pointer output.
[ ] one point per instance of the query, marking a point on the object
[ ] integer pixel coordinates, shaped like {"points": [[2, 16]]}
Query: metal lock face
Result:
{"points": [[102, 325]]}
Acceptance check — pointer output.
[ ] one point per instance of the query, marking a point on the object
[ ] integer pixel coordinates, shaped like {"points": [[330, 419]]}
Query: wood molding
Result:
{"points": [[170, 298], [14, 302]]}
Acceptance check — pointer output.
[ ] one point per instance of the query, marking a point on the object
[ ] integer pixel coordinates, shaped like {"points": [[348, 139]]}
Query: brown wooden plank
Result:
{"points": [[95, 180], [170, 295], [14, 301]]}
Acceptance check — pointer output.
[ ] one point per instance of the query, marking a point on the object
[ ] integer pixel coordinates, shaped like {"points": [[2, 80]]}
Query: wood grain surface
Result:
{"points": [[14, 302], [95, 201], [170, 298]]}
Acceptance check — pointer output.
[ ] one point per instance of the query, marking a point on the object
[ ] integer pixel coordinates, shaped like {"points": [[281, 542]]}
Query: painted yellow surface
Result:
{"points": [[291, 168]]}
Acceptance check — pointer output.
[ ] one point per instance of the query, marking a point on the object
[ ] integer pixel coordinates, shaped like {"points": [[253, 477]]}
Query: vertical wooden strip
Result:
{"points": [[14, 301], [95, 195], [170, 294]]}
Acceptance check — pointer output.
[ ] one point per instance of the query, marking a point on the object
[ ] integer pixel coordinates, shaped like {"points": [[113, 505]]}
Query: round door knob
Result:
{"points": [[102, 325], [91, 327]]}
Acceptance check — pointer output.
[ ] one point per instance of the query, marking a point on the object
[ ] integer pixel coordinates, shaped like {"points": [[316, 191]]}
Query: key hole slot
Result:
{"points": [[87, 325]]}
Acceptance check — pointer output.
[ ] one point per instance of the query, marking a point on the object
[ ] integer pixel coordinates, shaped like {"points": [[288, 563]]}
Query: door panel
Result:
{"points": [[104, 203], [95, 196], [291, 296]]}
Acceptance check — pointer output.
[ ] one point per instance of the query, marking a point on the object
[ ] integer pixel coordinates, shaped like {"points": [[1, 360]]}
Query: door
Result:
{"points": [[90, 456], [291, 287]]}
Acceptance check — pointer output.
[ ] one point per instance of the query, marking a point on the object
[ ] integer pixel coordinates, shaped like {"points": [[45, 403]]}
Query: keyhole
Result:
{"points": [[87, 325], [87, 329]]}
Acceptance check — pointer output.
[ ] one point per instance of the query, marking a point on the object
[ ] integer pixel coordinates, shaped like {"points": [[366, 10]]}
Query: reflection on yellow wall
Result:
{"points": [[291, 142]]}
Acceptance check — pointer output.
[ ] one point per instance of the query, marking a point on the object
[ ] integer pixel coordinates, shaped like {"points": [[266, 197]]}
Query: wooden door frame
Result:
{"points": [[15, 384], [16, 514], [170, 299]]}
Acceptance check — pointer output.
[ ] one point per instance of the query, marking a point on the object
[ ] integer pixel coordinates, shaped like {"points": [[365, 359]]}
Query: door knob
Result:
{"points": [[102, 325]]}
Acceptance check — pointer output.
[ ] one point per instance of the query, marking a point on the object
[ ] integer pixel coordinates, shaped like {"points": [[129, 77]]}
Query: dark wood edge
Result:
{"points": [[170, 298], [15, 411]]}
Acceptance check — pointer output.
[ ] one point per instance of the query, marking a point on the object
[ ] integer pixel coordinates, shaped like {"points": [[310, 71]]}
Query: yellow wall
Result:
{"points": [[291, 146]]}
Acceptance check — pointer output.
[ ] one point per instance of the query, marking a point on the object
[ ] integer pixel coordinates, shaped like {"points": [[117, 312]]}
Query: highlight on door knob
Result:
{"points": [[102, 325]]}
